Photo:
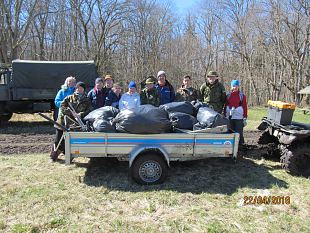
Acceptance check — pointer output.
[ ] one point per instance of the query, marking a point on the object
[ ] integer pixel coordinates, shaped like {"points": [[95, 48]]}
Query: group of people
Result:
{"points": [[156, 92]]}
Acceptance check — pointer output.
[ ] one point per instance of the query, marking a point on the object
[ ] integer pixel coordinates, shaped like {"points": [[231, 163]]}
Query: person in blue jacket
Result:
{"points": [[130, 99], [164, 88], [67, 88]]}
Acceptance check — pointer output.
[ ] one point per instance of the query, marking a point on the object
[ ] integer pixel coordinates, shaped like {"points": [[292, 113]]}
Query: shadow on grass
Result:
{"points": [[35, 127], [213, 175]]}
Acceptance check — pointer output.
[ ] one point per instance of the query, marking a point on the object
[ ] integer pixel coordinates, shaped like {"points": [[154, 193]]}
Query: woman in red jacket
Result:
{"points": [[236, 110]]}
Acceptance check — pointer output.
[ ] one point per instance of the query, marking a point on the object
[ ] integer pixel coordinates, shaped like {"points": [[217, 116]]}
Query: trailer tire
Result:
{"points": [[149, 168], [296, 160]]}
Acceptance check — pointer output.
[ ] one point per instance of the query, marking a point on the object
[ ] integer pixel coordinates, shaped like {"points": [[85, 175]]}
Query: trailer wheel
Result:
{"points": [[296, 160], [149, 169]]}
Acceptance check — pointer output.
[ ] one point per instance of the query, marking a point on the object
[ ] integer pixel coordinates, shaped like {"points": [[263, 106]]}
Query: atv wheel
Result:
{"points": [[296, 160], [149, 169], [266, 138]]}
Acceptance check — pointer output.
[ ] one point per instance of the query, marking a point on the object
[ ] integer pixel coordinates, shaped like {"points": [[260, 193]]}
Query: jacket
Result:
{"points": [[81, 105], [236, 106], [186, 94], [112, 99], [166, 93], [97, 97], [61, 94], [213, 95], [128, 101], [150, 97]]}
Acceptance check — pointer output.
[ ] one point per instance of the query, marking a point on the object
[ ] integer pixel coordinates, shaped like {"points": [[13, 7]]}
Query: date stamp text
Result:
{"points": [[266, 200]]}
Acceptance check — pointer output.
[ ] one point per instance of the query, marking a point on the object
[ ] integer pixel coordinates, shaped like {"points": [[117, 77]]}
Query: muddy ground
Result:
{"points": [[37, 137]]}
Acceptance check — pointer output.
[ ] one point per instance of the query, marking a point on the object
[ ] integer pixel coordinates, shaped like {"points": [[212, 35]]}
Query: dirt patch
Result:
{"points": [[254, 150], [32, 138], [25, 143], [26, 138]]}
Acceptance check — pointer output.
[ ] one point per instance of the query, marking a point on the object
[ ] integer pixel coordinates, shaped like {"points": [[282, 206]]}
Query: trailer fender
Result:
{"points": [[143, 149]]}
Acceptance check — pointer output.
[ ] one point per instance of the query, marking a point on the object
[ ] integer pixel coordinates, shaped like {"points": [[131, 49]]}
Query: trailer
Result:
{"points": [[149, 155]]}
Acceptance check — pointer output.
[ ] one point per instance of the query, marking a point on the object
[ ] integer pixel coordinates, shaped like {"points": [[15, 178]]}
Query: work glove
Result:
{"points": [[244, 122]]}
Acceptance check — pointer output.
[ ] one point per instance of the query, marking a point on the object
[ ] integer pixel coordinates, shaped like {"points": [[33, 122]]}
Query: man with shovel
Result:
{"points": [[75, 106]]}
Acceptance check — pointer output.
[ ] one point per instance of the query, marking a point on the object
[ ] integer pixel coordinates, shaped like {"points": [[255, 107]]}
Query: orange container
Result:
{"points": [[282, 105], [280, 112]]}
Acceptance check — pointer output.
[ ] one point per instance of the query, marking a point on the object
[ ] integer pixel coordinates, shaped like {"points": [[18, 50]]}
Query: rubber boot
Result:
{"points": [[54, 154]]}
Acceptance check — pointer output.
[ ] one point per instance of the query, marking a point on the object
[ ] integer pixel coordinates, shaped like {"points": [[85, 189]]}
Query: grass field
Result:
{"points": [[200, 196], [256, 114]]}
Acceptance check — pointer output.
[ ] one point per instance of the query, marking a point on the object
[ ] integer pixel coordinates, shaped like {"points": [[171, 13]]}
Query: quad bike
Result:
{"points": [[291, 141]]}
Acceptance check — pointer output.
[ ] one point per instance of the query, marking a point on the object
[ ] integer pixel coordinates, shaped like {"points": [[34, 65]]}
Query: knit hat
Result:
{"points": [[98, 80], [81, 84], [212, 73], [234, 83], [161, 73], [132, 84]]}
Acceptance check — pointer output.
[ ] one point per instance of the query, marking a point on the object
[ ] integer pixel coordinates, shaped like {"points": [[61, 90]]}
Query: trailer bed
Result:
{"points": [[174, 146]]}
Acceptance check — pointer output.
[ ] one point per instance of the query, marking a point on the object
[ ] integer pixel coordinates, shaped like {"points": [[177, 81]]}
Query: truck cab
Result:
{"points": [[31, 86], [5, 74]]}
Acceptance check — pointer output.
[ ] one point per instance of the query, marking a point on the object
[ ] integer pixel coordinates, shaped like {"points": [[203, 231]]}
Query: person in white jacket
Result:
{"points": [[130, 99]]}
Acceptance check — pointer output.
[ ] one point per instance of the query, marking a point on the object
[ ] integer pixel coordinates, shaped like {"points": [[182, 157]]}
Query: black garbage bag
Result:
{"points": [[185, 107], [101, 125], [146, 119], [197, 104], [182, 120], [102, 113], [208, 118]]}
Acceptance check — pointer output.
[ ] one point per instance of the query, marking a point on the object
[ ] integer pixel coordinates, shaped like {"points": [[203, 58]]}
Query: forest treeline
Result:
{"points": [[265, 44]]}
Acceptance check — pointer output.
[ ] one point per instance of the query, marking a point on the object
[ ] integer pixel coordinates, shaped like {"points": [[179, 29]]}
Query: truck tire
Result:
{"points": [[296, 160], [6, 116], [149, 169]]}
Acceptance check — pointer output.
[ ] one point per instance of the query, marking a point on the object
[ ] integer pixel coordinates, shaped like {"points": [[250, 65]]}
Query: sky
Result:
{"points": [[184, 5]]}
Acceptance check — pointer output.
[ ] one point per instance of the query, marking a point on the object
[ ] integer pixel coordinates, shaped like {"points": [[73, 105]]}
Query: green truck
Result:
{"points": [[31, 86]]}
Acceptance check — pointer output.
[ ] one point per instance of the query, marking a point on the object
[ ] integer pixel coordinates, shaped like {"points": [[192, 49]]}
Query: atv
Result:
{"points": [[292, 141]]}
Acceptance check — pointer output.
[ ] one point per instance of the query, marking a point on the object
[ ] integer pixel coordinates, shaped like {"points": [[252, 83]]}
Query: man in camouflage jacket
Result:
{"points": [[213, 92], [80, 102], [82, 106], [149, 95]]}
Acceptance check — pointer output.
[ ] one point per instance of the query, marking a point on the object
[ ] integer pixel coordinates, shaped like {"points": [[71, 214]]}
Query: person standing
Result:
{"points": [[81, 104], [149, 95], [186, 92], [236, 109], [114, 96], [130, 99], [66, 89], [164, 88], [213, 92], [98, 94]]}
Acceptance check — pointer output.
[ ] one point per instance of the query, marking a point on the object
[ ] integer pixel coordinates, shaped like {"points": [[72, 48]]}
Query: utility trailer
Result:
{"points": [[149, 155]]}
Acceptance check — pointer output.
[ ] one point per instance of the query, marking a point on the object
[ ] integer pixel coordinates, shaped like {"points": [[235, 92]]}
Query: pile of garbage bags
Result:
{"points": [[144, 119], [147, 119]]}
